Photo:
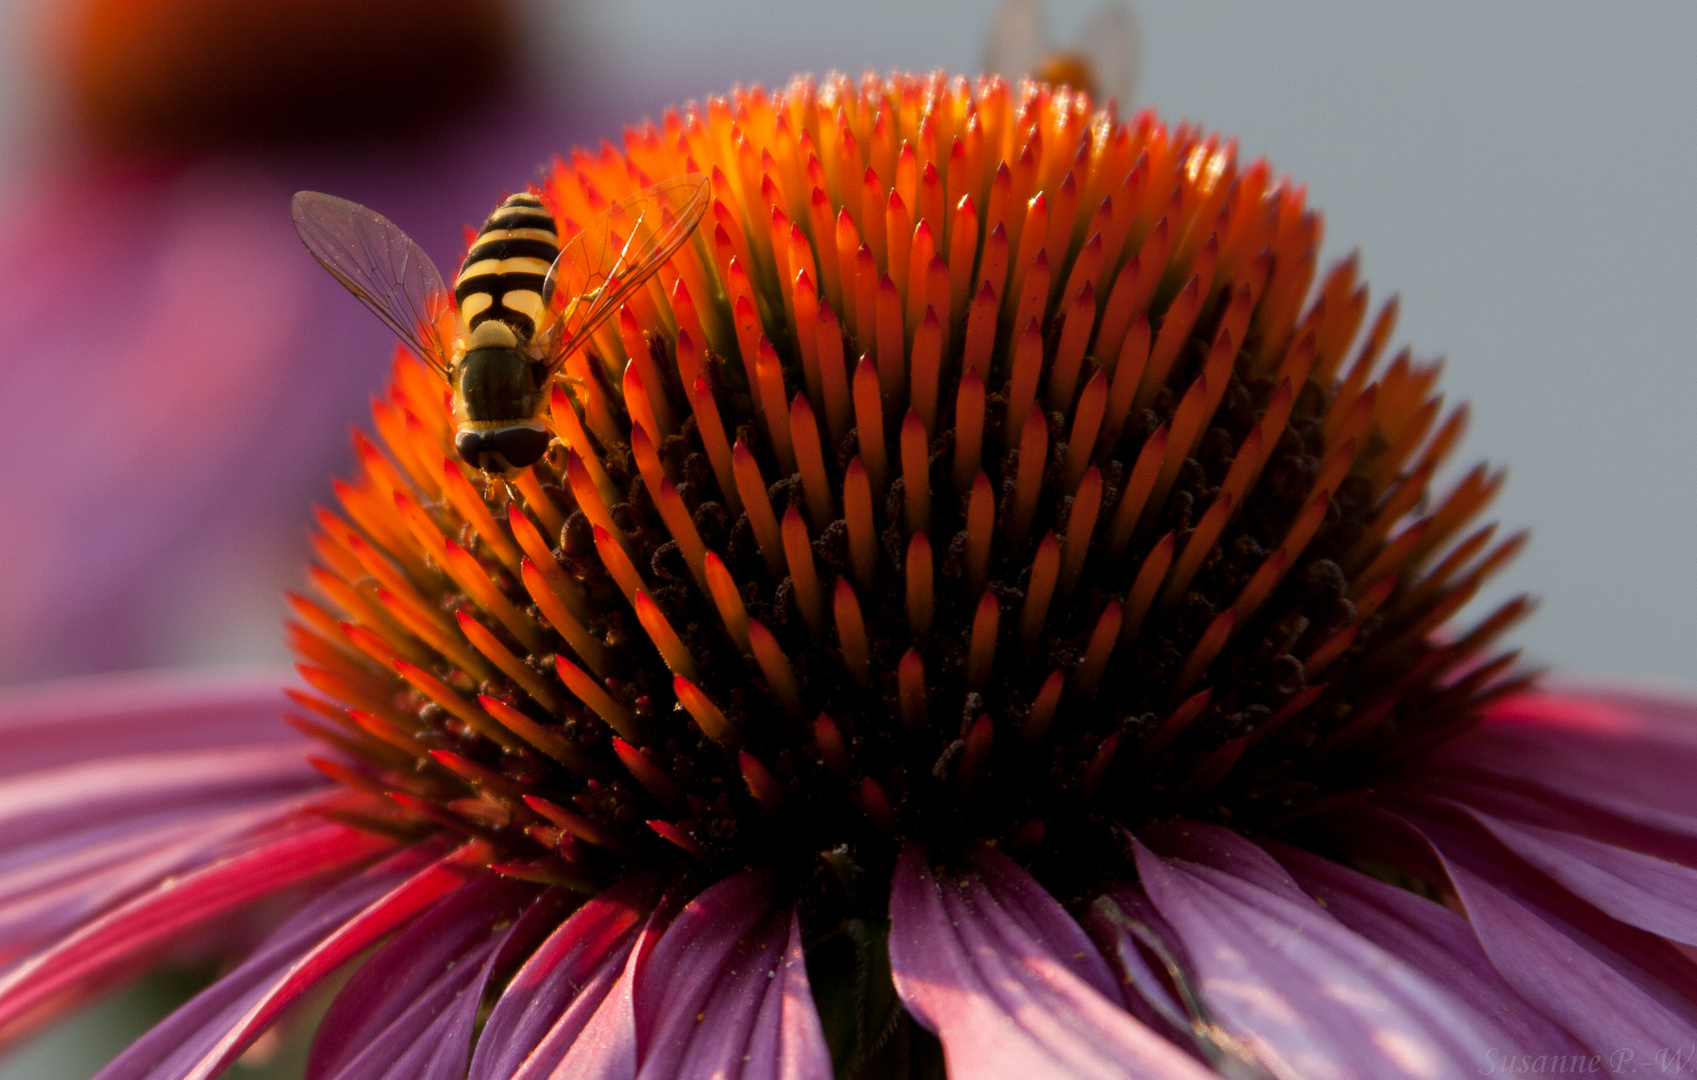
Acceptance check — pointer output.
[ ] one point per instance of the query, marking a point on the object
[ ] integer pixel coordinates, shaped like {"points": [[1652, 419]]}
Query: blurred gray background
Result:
{"points": [[1520, 172]]}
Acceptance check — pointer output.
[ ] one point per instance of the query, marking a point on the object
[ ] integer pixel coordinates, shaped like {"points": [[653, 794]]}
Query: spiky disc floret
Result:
{"points": [[976, 473]]}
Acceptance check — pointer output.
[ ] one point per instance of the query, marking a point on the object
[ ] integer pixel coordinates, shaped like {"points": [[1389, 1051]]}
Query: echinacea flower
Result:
{"points": [[986, 614]]}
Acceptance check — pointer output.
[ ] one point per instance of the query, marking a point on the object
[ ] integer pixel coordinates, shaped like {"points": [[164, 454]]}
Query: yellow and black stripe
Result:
{"points": [[503, 272]]}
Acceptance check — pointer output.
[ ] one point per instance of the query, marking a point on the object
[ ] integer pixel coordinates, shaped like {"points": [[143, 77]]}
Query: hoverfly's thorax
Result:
{"points": [[503, 273], [496, 383]]}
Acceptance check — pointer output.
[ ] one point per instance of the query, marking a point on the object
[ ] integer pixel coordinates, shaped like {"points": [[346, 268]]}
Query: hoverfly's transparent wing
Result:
{"points": [[617, 254], [380, 265], [1018, 39], [1113, 45]]}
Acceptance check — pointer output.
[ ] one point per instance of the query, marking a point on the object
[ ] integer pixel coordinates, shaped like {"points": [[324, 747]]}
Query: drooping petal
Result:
{"points": [[48, 802], [1640, 890], [51, 888], [1005, 1002], [395, 1006], [57, 723], [552, 997], [201, 1039], [1654, 963], [788, 1041], [111, 784], [1611, 985], [604, 1044], [108, 948], [76, 839], [720, 992], [1430, 937], [1314, 999], [729, 968]]}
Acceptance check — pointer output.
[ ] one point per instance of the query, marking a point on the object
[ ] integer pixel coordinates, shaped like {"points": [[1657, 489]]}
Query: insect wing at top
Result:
{"points": [[616, 255], [1104, 62], [380, 265]]}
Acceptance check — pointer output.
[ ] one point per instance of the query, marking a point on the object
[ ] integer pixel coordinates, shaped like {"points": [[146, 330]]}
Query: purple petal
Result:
{"points": [[429, 959], [603, 1044], [58, 723], [1043, 920], [1562, 954], [550, 999], [49, 802], [1519, 800], [1657, 965], [1004, 1003], [201, 1039], [742, 1008], [97, 953], [77, 839], [1640, 890], [788, 1042], [704, 991], [1224, 850], [1313, 999], [1432, 939], [408, 1013]]}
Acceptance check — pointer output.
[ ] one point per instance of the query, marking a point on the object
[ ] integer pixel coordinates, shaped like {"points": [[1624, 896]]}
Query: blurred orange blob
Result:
{"points": [[1072, 69], [194, 74]]}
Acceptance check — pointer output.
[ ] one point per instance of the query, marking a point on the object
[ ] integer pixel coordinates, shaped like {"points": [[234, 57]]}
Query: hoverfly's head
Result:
{"points": [[502, 450]]}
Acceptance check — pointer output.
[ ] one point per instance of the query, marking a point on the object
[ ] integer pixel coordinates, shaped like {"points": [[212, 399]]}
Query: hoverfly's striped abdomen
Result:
{"points": [[503, 272]]}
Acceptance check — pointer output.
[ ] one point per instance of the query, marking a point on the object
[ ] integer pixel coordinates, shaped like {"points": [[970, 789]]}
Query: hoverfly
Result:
{"points": [[1104, 63], [520, 306]]}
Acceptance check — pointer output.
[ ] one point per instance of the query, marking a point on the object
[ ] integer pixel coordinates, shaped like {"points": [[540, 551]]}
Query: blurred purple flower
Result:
{"points": [[178, 379]]}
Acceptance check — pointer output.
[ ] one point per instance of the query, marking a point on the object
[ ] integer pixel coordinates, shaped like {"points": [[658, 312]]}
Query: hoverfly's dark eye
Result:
{"points": [[501, 449], [471, 447]]}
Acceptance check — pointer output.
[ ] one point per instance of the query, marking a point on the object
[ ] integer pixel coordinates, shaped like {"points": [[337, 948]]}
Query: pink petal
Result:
{"points": [[1519, 800], [108, 948], [1004, 1002], [1224, 850], [201, 1039], [788, 1042], [48, 802], [1631, 755], [1302, 989], [417, 959], [409, 1011], [112, 715], [55, 887], [548, 1002], [606, 1045], [1429, 937], [721, 993]]}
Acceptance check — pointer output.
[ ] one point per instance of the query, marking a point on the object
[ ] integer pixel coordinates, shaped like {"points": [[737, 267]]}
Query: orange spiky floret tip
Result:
{"points": [[981, 470]]}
